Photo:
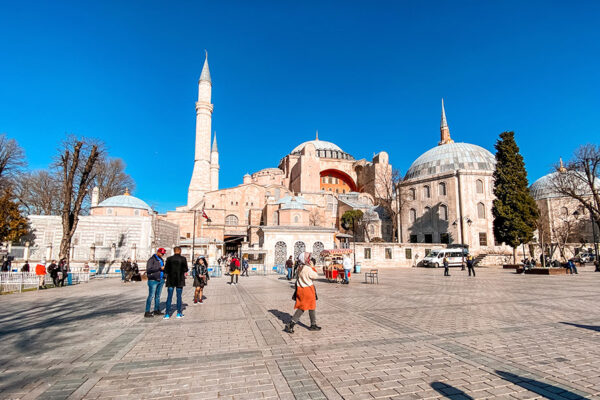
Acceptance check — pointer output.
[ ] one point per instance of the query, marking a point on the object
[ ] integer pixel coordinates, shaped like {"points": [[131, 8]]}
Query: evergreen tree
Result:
{"points": [[13, 225], [515, 211]]}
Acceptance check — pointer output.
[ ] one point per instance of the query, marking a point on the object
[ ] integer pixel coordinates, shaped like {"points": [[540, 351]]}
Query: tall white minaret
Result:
{"points": [[444, 130], [214, 165], [200, 182]]}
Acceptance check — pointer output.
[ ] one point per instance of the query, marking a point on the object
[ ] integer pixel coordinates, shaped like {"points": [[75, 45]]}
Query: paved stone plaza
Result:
{"points": [[415, 335]]}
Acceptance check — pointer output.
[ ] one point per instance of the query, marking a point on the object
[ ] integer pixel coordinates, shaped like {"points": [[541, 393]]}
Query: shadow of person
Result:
{"points": [[449, 391], [285, 317], [541, 388], [590, 327]]}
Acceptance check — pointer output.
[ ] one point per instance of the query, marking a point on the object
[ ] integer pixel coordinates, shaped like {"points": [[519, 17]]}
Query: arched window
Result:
{"points": [[481, 210], [299, 247], [427, 191], [280, 253], [412, 194], [479, 186], [444, 212], [231, 220], [318, 247], [412, 215], [442, 189], [296, 219], [564, 211], [371, 229], [427, 215]]}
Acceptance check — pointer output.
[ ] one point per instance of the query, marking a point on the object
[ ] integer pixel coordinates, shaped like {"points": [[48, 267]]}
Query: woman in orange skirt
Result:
{"points": [[306, 296]]}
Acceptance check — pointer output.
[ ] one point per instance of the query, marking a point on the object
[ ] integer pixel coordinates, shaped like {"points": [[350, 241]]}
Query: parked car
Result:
{"points": [[584, 258], [435, 258]]}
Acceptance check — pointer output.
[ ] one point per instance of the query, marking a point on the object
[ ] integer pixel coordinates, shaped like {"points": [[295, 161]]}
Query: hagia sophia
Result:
{"points": [[445, 198]]}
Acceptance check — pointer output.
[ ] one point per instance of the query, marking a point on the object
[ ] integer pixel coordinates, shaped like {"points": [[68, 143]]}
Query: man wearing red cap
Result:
{"points": [[155, 271]]}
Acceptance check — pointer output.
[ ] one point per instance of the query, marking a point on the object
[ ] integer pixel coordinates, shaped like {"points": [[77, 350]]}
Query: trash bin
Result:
{"points": [[357, 268], [69, 278]]}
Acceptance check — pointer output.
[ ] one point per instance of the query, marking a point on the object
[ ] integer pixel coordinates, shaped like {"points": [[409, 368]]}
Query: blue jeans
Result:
{"points": [[170, 299], [154, 289], [346, 271], [289, 274], [122, 274]]}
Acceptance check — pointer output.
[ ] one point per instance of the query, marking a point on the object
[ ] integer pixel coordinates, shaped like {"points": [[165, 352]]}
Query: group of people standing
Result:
{"points": [[469, 261], [172, 273], [236, 267], [130, 271]]}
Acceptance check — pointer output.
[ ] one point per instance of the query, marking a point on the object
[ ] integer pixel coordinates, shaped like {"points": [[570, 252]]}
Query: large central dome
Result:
{"points": [[452, 157], [324, 149]]}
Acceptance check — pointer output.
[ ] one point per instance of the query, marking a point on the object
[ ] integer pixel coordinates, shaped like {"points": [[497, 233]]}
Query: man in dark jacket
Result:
{"points": [[155, 271], [175, 269]]}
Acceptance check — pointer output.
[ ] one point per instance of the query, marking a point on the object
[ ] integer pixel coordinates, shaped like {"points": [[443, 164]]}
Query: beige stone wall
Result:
{"points": [[119, 211]]}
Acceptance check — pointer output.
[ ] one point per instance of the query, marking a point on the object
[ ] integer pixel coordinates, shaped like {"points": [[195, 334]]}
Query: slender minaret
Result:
{"points": [[214, 165], [444, 130], [200, 182]]}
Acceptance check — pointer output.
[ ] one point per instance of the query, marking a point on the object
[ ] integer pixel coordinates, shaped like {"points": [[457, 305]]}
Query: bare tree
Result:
{"points": [[580, 178], [392, 196], [12, 160], [39, 192], [314, 217], [564, 228], [544, 234], [76, 168], [111, 178]]}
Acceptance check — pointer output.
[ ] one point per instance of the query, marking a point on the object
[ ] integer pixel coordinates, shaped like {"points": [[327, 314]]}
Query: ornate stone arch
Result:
{"points": [[299, 247], [318, 247]]}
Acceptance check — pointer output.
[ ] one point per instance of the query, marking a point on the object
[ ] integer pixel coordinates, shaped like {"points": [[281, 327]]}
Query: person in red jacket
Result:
{"points": [[40, 271]]}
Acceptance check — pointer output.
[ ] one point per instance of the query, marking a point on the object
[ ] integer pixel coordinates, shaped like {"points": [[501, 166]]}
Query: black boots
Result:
{"points": [[314, 328], [289, 328], [148, 314]]}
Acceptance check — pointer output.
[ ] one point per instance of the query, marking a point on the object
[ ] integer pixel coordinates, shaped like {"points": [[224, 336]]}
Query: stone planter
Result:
{"points": [[512, 266], [543, 271]]}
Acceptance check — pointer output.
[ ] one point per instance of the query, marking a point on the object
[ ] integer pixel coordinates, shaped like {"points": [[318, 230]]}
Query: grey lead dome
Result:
{"points": [[452, 157], [125, 201]]}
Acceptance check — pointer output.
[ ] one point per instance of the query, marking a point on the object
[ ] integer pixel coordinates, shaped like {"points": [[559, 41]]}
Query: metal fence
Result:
{"points": [[11, 282]]}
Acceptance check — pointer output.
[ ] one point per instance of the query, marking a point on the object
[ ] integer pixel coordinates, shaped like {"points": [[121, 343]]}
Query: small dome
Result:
{"points": [[292, 199], [544, 187], [125, 201], [324, 149], [452, 157]]}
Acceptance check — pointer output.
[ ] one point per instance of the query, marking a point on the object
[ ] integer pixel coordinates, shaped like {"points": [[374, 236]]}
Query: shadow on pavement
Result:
{"points": [[590, 327], [450, 391], [543, 389]]}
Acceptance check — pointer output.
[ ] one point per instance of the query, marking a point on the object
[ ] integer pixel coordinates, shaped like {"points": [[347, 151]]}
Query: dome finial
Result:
{"points": [[562, 167], [317, 135], [126, 192], [444, 130]]}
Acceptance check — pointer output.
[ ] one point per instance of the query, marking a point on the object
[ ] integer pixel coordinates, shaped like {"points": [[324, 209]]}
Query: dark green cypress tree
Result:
{"points": [[515, 211]]}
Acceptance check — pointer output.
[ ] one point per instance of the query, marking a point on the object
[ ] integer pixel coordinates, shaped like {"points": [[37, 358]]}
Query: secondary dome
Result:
{"points": [[452, 157], [544, 188], [324, 149], [125, 201]]}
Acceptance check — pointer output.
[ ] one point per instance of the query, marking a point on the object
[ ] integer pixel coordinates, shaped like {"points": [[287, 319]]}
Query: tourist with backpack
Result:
{"points": [[234, 270], [201, 277]]}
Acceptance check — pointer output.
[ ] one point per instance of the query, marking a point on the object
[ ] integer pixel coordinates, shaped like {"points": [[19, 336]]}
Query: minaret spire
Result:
{"points": [[205, 75], [317, 136], [444, 130], [562, 167], [214, 145]]}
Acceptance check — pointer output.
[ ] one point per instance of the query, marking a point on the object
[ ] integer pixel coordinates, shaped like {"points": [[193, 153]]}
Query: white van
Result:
{"points": [[435, 258]]}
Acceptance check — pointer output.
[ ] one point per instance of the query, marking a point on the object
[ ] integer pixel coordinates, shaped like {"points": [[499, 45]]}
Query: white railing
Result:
{"points": [[20, 281]]}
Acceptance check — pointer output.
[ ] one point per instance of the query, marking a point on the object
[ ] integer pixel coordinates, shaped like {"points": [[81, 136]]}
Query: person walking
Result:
{"points": [[245, 266], [446, 269], [40, 271], [201, 278], [289, 264], [347, 263], [128, 270], [471, 264], [53, 271], [155, 267], [234, 270], [305, 294], [572, 267], [175, 269]]}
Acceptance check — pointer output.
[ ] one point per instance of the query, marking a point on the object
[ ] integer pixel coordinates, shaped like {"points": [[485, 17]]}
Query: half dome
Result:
{"points": [[452, 157]]}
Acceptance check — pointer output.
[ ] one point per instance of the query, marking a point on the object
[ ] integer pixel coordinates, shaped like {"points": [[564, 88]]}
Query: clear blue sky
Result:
{"points": [[368, 75]]}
